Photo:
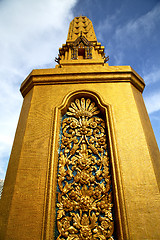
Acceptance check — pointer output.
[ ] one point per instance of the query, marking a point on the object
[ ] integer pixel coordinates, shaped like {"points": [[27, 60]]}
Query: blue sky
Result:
{"points": [[33, 30]]}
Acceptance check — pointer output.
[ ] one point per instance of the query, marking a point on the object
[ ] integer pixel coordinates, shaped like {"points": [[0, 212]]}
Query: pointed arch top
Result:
{"points": [[81, 39]]}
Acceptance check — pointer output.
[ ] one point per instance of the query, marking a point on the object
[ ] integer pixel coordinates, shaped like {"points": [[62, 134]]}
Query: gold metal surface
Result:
{"points": [[81, 25], [28, 202], [84, 182], [81, 44]]}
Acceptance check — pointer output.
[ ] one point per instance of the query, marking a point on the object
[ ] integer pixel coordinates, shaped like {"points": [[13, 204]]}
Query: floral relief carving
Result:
{"points": [[84, 196]]}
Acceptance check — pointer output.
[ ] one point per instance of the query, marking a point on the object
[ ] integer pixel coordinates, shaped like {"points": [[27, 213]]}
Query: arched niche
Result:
{"points": [[99, 219]]}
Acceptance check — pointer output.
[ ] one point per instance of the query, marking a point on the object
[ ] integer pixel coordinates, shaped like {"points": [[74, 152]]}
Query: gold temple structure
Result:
{"points": [[85, 163]]}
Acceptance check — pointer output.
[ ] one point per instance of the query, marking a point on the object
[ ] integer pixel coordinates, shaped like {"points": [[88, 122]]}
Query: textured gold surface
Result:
{"points": [[84, 181], [27, 206], [81, 44], [84, 74], [81, 24]]}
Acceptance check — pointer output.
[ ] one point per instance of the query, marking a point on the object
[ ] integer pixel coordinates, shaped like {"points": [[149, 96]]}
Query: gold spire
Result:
{"points": [[81, 25], [81, 46]]}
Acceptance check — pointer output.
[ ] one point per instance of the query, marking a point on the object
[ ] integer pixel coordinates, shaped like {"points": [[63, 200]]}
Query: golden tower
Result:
{"points": [[85, 163]]}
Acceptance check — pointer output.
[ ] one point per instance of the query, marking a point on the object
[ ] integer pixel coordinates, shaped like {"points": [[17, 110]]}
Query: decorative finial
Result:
{"points": [[106, 59], [81, 43], [57, 60]]}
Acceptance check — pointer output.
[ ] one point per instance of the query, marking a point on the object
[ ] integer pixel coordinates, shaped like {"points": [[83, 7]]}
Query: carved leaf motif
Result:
{"points": [[73, 105], [69, 113], [88, 101], [93, 220], [84, 190], [94, 150], [84, 182], [67, 188], [72, 109], [59, 198], [102, 187], [94, 109], [85, 220], [78, 103], [91, 106], [59, 226], [69, 174], [101, 237], [60, 214], [73, 237], [83, 103], [98, 174], [72, 230], [74, 149], [76, 220], [63, 160]]}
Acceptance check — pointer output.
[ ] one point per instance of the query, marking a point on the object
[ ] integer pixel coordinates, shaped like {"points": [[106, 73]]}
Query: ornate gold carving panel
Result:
{"points": [[84, 190]]}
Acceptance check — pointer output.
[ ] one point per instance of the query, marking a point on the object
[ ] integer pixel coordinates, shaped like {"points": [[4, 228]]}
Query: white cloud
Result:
{"points": [[128, 35], [139, 28], [153, 102], [31, 29], [152, 77], [152, 99], [31, 33], [133, 30], [155, 116]]}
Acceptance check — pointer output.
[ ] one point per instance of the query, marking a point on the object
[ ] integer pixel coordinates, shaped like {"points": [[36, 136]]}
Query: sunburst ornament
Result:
{"points": [[82, 108]]}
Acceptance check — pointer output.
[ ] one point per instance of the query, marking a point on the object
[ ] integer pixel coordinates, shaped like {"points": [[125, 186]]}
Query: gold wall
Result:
{"points": [[28, 200]]}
